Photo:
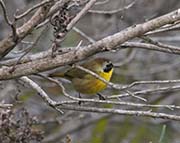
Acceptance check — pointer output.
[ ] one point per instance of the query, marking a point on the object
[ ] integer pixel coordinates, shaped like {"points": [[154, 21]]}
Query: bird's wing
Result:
{"points": [[78, 73], [75, 73]]}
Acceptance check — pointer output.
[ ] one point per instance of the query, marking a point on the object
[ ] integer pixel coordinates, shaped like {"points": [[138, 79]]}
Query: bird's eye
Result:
{"points": [[108, 67]]}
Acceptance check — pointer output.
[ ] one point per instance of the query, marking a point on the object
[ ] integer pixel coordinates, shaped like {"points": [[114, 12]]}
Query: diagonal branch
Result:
{"points": [[7, 44], [108, 43], [81, 14], [40, 91], [60, 51], [32, 9]]}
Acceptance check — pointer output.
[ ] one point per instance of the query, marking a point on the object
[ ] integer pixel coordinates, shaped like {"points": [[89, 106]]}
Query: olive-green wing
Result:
{"points": [[74, 73], [78, 73]]}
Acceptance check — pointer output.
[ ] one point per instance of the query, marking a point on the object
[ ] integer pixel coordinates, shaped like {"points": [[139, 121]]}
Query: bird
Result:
{"points": [[84, 82]]}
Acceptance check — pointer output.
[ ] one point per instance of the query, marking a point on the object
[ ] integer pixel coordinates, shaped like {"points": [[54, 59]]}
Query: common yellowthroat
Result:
{"points": [[84, 82]]}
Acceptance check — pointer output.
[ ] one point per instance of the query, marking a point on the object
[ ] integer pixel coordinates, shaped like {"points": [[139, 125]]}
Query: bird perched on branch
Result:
{"points": [[85, 82]]}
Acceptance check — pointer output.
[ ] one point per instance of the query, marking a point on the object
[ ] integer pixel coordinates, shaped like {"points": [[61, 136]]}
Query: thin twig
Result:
{"points": [[74, 99], [135, 96], [5, 13], [11, 24], [159, 44], [102, 2], [122, 112], [115, 86], [31, 47], [170, 49], [41, 92], [91, 40], [148, 91], [81, 14], [61, 86], [124, 87], [154, 82], [113, 11], [168, 28], [32, 9]]}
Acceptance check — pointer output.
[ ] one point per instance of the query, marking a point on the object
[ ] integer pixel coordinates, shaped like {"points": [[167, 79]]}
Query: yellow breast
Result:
{"points": [[92, 85]]}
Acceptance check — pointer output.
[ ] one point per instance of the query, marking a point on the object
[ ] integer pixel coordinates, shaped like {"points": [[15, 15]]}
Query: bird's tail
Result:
{"points": [[56, 74]]}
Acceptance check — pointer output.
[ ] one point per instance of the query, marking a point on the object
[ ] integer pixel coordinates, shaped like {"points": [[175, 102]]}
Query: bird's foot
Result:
{"points": [[101, 97]]}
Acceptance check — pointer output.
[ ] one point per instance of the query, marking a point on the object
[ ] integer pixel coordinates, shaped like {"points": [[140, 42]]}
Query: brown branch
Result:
{"points": [[26, 51], [9, 43], [11, 24], [170, 49], [108, 43], [159, 44], [81, 14], [171, 27], [5, 13], [33, 57], [60, 51], [32, 9]]}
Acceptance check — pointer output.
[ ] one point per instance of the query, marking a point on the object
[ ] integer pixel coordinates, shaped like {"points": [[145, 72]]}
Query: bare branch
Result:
{"points": [[41, 92], [102, 2], [108, 43], [101, 101], [171, 27], [113, 11], [5, 13], [170, 49], [84, 35], [36, 56], [154, 82], [115, 86], [81, 14], [100, 110], [148, 91], [135, 96], [122, 112], [161, 45], [11, 24], [32, 9], [9, 43], [29, 48], [60, 51]]}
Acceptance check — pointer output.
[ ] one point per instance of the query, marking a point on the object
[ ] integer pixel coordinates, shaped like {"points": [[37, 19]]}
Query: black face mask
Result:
{"points": [[108, 67]]}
